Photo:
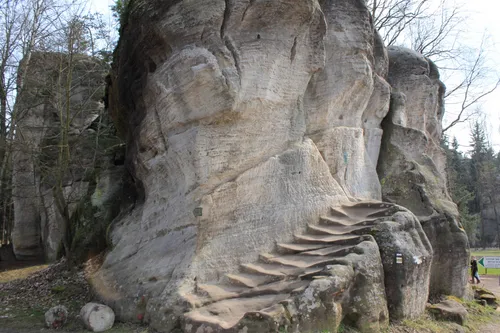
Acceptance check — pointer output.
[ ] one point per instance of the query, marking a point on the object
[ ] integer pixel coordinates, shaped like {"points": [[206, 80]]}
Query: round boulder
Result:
{"points": [[97, 317], [449, 310], [56, 317]]}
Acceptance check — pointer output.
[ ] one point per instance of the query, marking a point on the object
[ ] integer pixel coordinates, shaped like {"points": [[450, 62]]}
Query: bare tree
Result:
{"points": [[434, 29], [27, 26]]}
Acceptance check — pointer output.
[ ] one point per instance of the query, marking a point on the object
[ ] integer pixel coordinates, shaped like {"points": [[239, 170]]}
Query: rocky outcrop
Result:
{"points": [[247, 122], [49, 108], [407, 257], [490, 221], [412, 165]]}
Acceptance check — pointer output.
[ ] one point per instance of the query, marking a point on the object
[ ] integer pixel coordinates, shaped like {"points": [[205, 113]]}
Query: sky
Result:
{"points": [[482, 18]]}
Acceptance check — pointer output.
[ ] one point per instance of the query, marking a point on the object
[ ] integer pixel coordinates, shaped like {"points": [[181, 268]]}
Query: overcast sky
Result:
{"points": [[483, 16]]}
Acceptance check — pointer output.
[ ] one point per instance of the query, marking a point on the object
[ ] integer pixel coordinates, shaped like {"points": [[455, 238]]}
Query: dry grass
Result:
{"points": [[20, 273]]}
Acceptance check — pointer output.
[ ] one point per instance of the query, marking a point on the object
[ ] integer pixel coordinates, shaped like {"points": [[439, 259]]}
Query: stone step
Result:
{"points": [[290, 248], [278, 287], [277, 271], [273, 270], [300, 261], [337, 250], [227, 313], [214, 293], [338, 212], [327, 229], [327, 220], [329, 239], [367, 209], [250, 280]]}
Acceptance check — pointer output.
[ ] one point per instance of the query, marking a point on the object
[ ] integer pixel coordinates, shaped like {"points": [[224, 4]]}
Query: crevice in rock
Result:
{"points": [[293, 52], [160, 130], [230, 46], [246, 9], [225, 19]]}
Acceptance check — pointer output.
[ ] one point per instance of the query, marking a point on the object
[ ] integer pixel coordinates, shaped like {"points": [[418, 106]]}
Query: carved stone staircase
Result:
{"points": [[274, 278]]}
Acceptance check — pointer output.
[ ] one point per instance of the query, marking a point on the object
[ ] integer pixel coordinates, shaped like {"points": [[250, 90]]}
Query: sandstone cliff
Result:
{"points": [[59, 99], [253, 135], [412, 165], [262, 137]]}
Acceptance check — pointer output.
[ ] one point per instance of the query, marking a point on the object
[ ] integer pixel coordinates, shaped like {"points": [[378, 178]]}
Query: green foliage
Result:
{"points": [[120, 11], [472, 182]]}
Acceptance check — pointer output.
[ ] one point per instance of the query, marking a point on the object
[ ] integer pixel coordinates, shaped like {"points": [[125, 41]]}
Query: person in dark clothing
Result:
{"points": [[474, 270]]}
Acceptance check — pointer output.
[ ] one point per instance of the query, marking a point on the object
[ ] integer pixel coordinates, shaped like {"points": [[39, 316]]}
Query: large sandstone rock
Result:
{"points": [[407, 257], [412, 165], [41, 109], [253, 134]]}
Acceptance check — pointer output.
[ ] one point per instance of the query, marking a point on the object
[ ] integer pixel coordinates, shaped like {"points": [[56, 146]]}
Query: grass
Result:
{"points": [[21, 273], [487, 253], [32, 320], [478, 316]]}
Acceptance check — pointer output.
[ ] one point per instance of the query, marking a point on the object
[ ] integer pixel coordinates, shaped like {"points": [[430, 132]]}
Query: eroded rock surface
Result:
{"points": [[42, 112], [412, 165], [247, 122]]}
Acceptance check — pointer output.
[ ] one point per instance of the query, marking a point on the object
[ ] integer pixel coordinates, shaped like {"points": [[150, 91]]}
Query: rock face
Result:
{"points": [[490, 215], [253, 133], [412, 165], [42, 110], [407, 256]]}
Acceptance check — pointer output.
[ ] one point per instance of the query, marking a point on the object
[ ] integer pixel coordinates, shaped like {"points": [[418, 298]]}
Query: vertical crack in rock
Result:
{"points": [[158, 123], [228, 42], [294, 50], [232, 48], [246, 9], [225, 19]]}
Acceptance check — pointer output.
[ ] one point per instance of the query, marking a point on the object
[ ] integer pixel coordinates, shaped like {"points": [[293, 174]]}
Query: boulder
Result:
{"points": [[407, 258], [485, 296], [449, 310], [97, 317], [56, 317]]}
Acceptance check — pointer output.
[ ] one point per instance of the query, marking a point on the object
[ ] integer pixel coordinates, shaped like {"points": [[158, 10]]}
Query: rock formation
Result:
{"points": [[253, 136], [490, 216], [412, 165], [42, 111]]}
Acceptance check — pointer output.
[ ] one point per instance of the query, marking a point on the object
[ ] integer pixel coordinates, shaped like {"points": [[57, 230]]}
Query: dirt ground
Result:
{"points": [[31, 321]]}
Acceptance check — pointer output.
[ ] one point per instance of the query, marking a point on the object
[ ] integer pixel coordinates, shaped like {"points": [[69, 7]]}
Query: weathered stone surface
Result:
{"points": [[407, 257], [246, 123], [41, 108], [97, 317], [56, 317], [367, 308], [232, 114], [490, 219], [412, 165], [485, 295], [449, 310]]}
